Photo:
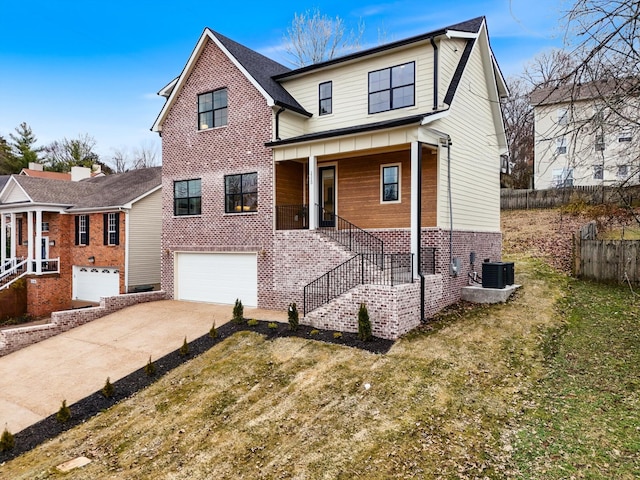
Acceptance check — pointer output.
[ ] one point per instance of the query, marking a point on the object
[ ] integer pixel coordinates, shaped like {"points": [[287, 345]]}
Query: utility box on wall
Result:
{"points": [[497, 274]]}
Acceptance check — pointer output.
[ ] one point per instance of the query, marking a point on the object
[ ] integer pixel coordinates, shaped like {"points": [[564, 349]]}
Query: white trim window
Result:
{"points": [[598, 172], [391, 183], [561, 146], [625, 136], [600, 145], [113, 230], [623, 171], [563, 116]]}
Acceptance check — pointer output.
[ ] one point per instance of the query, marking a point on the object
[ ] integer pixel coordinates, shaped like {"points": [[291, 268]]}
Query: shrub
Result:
{"points": [[150, 368], [238, 312], [273, 325], [364, 324], [337, 335], [213, 333], [7, 441], [64, 414], [108, 389], [293, 317], [252, 322], [314, 332], [184, 349]]}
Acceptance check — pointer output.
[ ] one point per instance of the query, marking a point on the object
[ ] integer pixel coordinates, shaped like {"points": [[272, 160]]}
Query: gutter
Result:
{"points": [[282, 109]]}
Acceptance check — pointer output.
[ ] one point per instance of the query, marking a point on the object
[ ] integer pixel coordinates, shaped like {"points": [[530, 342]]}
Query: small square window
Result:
{"points": [[561, 146], [212, 109], [390, 183], [623, 171], [45, 226], [625, 136], [326, 98], [241, 193], [187, 197]]}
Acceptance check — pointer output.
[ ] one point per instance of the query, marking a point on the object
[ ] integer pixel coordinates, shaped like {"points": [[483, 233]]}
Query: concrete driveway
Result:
{"points": [[74, 364]]}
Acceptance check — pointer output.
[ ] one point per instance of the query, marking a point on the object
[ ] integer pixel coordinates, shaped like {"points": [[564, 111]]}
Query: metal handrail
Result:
{"points": [[358, 270], [292, 217], [351, 236]]}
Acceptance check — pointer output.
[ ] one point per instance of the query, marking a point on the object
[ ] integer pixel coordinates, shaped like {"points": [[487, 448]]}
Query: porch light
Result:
{"points": [[92, 259], [52, 243]]}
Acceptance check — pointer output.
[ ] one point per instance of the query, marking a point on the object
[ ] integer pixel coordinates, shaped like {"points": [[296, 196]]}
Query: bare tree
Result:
{"points": [[518, 123], [551, 68], [314, 37], [60, 156], [145, 156], [120, 161]]}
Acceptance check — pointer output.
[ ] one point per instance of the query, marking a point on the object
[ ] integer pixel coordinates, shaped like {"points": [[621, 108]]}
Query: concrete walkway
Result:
{"points": [[74, 364]]}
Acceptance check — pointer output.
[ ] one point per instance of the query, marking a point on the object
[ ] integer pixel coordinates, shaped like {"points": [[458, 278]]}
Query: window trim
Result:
{"points": [[82, 230], [598, 172], [391, 88], [562, 116], [619, 171], [329, 98], [243, 209], [188, 198], [213, 110], [382, 184], [625, 136], [600, 144], [112, 228]]}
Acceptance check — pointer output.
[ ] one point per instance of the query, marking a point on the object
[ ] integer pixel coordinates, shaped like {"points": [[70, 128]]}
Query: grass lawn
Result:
{"points": [[545, 386]]}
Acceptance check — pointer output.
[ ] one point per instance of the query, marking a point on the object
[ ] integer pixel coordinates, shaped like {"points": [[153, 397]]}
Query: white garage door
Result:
{"points": [[91, 283], [217, 277]]}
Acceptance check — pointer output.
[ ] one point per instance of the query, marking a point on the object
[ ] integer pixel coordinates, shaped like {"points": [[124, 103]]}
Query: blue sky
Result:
{"points": [[72, 67]]}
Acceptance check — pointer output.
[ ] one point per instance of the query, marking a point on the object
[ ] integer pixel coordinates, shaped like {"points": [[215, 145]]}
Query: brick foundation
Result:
{"points": [[16, 338]]}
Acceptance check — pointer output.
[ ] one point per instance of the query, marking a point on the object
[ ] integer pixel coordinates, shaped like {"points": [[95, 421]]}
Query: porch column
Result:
{"points": [[14, 236], [3, 240], [313, 193], [30, 241], [416, 203], [38, 242]]}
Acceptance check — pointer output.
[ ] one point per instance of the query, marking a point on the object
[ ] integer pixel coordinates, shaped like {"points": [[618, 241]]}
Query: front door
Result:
{"points": [[327, 196]]}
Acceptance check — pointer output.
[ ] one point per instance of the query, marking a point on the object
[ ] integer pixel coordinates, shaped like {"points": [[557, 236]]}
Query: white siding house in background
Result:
{"points": [[584, 136]]}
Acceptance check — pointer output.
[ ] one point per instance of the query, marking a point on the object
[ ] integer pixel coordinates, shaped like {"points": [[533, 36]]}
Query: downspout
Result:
{"points": [[435, 74], [451, 267], [282, 109], [419, 233]]}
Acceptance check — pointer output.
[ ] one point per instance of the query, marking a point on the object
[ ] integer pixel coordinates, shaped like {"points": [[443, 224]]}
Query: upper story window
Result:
{"points": [[45, 226], [625, 136], [562, 177], [241, 193], [325, 95], [600, 146], [623, 171], [187, 197], [563, 116], [112, 228], [561, 146], [392, 88], [212, 109], [390, 183], [598, 172], [82, 230]]}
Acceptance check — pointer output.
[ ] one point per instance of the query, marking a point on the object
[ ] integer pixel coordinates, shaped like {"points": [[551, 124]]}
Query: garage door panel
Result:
{"points": [[217, 277], [91, 283]]}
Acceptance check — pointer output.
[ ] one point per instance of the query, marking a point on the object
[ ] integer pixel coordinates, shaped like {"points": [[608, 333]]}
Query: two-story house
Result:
{"points": [[373, 177], [585, 135], [77, 241]]}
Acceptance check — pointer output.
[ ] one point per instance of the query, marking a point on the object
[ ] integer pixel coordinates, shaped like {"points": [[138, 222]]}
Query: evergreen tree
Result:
{"points": [[8, 162], [23, 144]]}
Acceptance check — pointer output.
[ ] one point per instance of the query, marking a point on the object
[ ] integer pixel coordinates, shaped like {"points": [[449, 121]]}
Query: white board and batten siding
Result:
{"points": [[145, 231], [217, 277]]}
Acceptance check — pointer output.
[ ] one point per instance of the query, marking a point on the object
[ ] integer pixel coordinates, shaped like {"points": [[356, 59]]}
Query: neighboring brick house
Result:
{"points": [[586, 134], [337, 183], [96, 237]]}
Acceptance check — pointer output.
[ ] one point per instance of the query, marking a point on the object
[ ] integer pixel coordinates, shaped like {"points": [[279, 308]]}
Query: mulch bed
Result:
{"points": [[86, 408]]}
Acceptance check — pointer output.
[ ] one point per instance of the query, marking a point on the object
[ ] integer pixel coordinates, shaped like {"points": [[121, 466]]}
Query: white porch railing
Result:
{"points": [[16, 268]]}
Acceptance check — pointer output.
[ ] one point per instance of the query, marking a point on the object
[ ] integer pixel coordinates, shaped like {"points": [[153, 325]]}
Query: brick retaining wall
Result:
{"points": [[14, 339]]}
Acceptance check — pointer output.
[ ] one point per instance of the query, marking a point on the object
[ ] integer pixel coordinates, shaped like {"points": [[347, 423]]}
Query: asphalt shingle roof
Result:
{"points": [[108, 191]]}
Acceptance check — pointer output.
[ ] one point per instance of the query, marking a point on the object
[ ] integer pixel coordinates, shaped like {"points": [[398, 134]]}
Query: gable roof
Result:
{"points": [[605, 88], [111, 191], [3, 180], [257, 68]]}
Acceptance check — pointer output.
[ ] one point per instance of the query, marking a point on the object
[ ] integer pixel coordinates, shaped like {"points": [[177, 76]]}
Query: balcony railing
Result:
{"points": [[15, 268], [358, 270], [292, 217]]}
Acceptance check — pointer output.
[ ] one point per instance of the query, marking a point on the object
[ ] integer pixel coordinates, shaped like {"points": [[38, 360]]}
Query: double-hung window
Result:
{"points": [[325, 95], [111, 223], [241, 193], [600, 145], [598, 172], [390, 183], [563, 116], [392, 88], [82, 230], [187, 197], [212, 109], [561, 146]]}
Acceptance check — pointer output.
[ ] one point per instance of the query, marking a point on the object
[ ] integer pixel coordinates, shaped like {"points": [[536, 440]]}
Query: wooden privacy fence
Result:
{"points": [[557, 197], [605, 260]]}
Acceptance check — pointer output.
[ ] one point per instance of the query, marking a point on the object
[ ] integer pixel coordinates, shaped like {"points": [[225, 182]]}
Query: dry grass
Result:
{"points": [[443, 401]]}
